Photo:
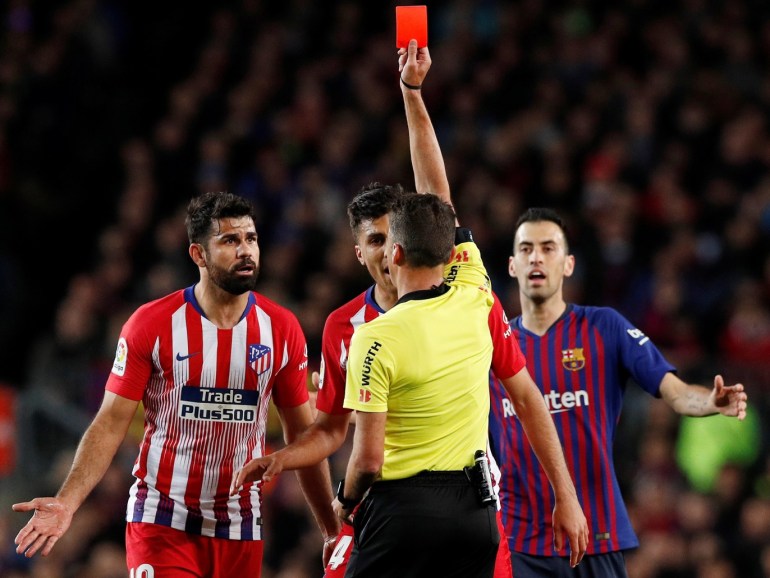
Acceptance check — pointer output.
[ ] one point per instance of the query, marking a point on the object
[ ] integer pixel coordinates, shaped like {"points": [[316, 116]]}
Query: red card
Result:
{"points": [[411, 22]]}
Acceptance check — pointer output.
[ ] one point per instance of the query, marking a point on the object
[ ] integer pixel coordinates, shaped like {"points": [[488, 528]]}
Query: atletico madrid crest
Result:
{"points": [[573, 359], [260, 357]]}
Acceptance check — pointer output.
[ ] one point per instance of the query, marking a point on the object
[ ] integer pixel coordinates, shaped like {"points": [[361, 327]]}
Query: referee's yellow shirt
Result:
{"points": [[426, 363]]}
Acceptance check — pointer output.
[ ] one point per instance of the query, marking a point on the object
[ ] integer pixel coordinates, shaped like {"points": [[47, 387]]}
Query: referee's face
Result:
{"points": [[370, 250]]}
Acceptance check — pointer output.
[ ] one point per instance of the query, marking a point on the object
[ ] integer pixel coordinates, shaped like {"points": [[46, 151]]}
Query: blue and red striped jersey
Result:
{"points": [[582, 365]]}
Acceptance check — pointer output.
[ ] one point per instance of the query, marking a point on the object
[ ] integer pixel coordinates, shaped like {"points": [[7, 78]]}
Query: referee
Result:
{"points": [[418, 377]]}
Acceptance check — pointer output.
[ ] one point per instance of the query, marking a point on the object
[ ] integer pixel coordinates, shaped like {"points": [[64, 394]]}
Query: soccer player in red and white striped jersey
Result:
{"points": [[205, 362]]}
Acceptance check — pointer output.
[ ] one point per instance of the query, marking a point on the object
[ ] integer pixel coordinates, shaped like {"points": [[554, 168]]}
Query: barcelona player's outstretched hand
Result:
{"points": [[730, 400]]}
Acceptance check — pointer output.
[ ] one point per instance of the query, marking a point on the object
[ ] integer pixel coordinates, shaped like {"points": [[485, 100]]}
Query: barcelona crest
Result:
{"points": [[573, 359]]}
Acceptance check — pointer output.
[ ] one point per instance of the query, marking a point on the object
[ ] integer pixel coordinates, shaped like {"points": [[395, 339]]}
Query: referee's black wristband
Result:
{"points": [[347, 503], [463, 235], [410, 86]]}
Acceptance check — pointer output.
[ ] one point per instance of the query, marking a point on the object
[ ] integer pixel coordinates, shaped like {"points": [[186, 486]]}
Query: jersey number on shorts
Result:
{"points": [[340, 550], [144, 571]]}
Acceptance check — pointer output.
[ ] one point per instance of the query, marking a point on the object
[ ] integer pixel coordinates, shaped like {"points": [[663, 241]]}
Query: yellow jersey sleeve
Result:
{"points": [[369, 371], [466, 266]]}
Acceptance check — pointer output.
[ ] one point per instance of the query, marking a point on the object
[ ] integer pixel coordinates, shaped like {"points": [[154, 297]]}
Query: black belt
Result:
{"points": [[426, 478]]}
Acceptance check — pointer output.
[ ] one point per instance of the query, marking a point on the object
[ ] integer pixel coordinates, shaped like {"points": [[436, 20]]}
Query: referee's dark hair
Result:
{"points": [[424, 226]]}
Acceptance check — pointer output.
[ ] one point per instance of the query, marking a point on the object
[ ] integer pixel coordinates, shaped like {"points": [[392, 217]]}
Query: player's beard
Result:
{"points": [[229, 280]]}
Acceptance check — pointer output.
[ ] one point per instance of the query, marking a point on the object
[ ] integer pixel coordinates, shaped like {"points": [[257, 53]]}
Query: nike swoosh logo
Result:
{"points": [[180, 357]]}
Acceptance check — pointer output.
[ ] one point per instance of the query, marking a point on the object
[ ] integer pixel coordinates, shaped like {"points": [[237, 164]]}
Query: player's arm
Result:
{"points": [[655, 375], [699, 401], [324, 437], [427, 161], [365, 462], [94, 454], [369, 355], [314, 480], [568, 519]]}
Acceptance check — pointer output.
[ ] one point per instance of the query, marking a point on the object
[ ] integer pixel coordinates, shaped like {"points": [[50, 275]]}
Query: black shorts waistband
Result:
{"points": [[426, 478]]}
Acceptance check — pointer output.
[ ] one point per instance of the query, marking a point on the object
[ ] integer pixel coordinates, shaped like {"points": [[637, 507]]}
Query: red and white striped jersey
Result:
{"points": [[206, 394], [339, 328]]}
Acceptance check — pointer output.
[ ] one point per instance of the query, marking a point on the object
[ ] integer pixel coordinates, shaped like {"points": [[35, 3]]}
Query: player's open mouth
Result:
{"points": [[246, 269], [536, 276]]}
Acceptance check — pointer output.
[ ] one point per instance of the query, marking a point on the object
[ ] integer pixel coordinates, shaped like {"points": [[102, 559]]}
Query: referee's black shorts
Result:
{"points": [[431, 524]]}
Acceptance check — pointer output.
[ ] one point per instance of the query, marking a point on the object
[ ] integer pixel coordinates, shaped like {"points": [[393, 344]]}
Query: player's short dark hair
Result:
{"points": [[539, 214], [424, 226], [203, 210], [372, 202]]}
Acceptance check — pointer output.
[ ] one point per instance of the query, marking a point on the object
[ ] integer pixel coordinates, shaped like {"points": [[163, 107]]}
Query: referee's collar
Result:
{"points": [[435, 291]]}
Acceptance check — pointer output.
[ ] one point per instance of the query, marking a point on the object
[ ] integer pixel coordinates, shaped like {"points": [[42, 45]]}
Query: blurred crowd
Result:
{"points": [[645, 123]]}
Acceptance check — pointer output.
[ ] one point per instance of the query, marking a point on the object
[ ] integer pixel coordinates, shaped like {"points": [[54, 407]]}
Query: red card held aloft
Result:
{"points": [[411, 22]]}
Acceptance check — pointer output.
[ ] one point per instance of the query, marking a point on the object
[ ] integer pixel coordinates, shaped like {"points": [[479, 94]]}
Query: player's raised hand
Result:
{"points": [[730, 400], [50, 520]]}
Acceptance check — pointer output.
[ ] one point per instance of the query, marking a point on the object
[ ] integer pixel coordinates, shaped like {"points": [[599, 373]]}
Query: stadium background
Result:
{"points": [[645, 122]]}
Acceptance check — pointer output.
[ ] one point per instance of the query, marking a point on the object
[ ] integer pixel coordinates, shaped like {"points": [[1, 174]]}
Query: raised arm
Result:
{"points": [[94, 454], [427, 162]]}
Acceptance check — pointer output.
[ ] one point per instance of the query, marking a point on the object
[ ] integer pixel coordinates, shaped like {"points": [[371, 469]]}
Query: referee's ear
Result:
{"points": [[399, 256]]}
